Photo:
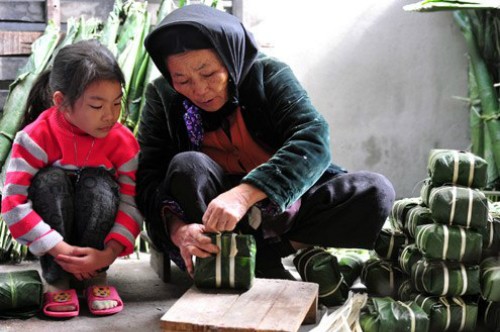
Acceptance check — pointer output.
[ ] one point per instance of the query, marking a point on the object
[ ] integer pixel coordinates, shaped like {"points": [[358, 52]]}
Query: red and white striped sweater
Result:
{"points": [[50, 141]]}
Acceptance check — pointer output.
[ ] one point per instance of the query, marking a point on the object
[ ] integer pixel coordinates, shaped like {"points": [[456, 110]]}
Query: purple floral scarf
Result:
{"points": [[194, 125]]}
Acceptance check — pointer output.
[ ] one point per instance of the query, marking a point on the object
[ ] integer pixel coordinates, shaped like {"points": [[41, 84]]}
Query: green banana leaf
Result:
{"points": [[418, 216], [382, 278], [386, 314], [439, 5], [449, 313], [460, 206], [319, 266], [489, 314], [232, 268], [445, 278], [389, 243], [408, 257], [454, 167], [21, 294], [400, 209], [490, 279], [452, 243]]}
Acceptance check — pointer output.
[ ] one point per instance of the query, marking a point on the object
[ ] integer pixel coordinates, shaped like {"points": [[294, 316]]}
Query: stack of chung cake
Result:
{"points": [[448, 275], [436, 241], [386, 281], [489, 303]]}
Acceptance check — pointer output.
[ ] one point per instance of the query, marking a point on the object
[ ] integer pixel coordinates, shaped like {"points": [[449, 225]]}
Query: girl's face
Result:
{"points": [[200, 76], [98, 108]]}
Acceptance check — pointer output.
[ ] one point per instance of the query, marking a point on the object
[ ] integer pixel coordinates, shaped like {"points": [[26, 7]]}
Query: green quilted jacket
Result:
{"points": [[279, 116]]}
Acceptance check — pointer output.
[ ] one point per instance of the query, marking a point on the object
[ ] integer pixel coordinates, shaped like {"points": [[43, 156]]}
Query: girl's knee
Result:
{"points": [[48, 183], [49, 176], [97, 179]]}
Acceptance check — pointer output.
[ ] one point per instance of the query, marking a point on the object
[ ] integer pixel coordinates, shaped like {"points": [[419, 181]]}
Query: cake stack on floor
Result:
{"points": [[387, 281], [447, 278], [489, 303], [432, 251]]}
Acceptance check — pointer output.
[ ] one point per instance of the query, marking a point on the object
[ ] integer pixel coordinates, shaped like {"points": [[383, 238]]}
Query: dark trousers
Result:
{"points": [[345, 210], [82, 211]]}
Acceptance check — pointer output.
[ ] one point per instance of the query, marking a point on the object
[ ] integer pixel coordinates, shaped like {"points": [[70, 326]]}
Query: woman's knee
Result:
{"points": [[379, 189], [189, 167], [189, 163]]}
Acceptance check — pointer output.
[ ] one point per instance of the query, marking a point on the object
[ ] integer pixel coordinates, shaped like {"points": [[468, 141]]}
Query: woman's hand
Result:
{"points": [[191, 241], [227, 209]]}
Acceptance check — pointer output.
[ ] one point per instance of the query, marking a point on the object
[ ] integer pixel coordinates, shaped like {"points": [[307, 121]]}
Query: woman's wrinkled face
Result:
{"points": [[201, 76]]}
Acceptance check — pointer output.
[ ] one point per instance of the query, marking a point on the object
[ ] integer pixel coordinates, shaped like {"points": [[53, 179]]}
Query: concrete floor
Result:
{"points": [[145, 296]]}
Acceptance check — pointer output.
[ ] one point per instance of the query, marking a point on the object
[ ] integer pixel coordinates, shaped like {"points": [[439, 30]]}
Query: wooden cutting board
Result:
{"points": [[270, 305]]}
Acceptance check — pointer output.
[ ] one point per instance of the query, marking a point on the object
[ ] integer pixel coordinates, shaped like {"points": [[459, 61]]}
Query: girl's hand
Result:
{"points": [[224, 211], [85, 276], [61, 248], [191, 242], [84, 262]]}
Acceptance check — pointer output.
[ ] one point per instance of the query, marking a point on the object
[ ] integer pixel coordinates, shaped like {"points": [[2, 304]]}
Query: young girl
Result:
{"points": [[70, 187]]}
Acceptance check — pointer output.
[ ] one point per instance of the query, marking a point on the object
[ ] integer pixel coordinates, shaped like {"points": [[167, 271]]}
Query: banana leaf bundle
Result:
{"points": [[408, 257], [350, 265], [382, 278], [232, 268], [490, 279], [399, 210], [449, 313], [489, 314], [453, 243], [389, 243], [319, 266], [460, 206], [491, 237], [386, 314], [406, 291], [425, 191], [419, 215], [21, 294], [445, 278], [454, 167]]}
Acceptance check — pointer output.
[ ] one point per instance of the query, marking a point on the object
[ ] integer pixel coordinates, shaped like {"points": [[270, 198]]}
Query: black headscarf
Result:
{"points": [[196, 27]]}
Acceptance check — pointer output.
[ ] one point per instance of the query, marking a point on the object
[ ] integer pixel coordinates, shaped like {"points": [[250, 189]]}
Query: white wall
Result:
{"points": [[384, 79]]}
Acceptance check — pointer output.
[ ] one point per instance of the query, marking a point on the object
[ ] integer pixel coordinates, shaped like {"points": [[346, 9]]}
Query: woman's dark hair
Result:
{"points": [[75, 67]]}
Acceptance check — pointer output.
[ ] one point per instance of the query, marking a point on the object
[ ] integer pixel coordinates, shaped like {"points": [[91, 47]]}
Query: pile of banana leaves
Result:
{"points": [[123, 33], [479, 22]]}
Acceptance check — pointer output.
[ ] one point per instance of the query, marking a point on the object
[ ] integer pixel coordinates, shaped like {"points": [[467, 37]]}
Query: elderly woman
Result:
{"points": [[230, 141]]}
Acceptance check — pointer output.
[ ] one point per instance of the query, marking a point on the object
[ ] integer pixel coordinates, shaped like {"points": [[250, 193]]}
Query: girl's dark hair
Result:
{"points": [[75, 67]]}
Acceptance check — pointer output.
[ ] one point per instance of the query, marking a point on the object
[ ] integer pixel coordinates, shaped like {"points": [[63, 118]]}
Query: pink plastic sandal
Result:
{"points": [[103, 293], [61, 298]]}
